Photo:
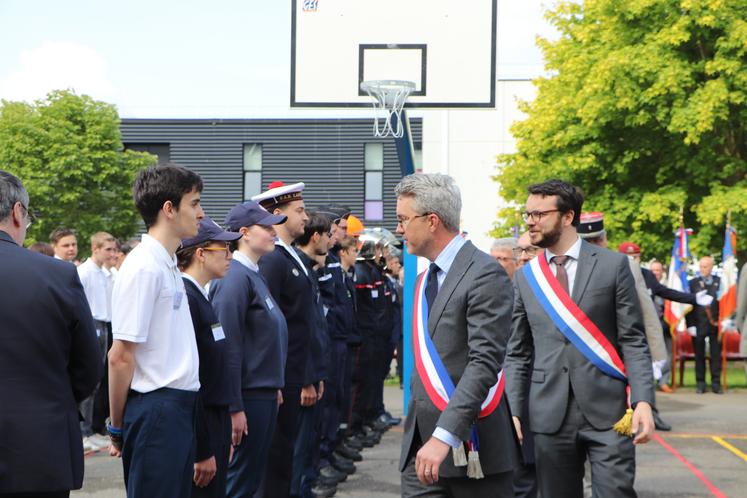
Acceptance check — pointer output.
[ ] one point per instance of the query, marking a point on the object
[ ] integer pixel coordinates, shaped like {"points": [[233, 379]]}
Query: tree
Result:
{"points": [[644, 108], [67, 150]]}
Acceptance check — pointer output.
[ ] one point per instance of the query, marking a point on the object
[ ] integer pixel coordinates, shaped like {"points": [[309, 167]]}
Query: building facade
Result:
{"points": [[339, 160]]}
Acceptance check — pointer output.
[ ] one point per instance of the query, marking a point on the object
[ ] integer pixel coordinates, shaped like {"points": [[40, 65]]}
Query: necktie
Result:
{"points": [[560, 273], [431, 287]]}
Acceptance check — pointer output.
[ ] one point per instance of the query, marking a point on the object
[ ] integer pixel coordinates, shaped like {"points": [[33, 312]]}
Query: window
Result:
{"points": [[161, 151], [252, 170], [417, 159], [374, 177]]}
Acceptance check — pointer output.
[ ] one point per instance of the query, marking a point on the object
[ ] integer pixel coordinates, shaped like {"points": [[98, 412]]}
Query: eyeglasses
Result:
{"points": [[406, 221], [531, 251], [536, 216], [217, 249], [30, 218]]}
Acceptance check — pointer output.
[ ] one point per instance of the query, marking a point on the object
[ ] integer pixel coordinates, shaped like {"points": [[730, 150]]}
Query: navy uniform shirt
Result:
{"points": [[370, 299], [351, 322], [335, 297], [320, 357], [215, 385], [292, 289], [256, 331]]}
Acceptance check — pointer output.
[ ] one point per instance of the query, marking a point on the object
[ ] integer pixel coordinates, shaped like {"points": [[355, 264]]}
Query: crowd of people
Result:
{"points": [[237, 360], [248, 358]]}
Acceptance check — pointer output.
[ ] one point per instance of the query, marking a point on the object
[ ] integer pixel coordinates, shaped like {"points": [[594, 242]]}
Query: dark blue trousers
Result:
{"points": [[332, 402], [306, 450], [159, 443], [246, 470], [279, 471]]}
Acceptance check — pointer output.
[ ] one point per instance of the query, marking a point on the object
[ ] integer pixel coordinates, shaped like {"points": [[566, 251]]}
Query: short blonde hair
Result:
{"points": [[98, 239]]}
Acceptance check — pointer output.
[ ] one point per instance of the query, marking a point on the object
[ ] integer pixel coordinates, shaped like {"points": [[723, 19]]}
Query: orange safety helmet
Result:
{"points": [[355, 226]]}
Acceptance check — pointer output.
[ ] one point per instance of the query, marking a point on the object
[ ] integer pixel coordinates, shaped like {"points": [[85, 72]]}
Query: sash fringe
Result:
{"points": [[474, 469], [460, 457], [624, 426]]}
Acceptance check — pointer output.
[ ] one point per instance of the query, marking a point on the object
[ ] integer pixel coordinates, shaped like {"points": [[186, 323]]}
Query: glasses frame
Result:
{"points": [[405, 223], [227, 249], [30, 218], [531, 251], [536, 216]]}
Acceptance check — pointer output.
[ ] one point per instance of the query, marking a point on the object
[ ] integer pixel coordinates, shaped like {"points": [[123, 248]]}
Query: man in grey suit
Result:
{"points": [[469, 300], [573, 405]]}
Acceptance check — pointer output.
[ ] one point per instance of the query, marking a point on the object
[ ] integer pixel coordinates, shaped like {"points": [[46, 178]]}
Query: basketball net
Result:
{"points": [[389, 97]]}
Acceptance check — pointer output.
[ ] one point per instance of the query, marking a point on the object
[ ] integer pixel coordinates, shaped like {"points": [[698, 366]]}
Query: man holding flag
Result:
{"points": [[576, 311]]}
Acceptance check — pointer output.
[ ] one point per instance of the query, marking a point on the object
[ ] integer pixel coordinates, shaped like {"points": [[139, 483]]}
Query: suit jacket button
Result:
{"points": [[565, 369]]}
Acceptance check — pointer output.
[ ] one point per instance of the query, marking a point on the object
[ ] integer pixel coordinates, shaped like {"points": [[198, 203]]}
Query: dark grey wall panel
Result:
{"points": [[327, 155]]}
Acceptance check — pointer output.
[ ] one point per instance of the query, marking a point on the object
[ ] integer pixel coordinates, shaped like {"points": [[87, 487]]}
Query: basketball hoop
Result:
{"points": [[389, 99]]}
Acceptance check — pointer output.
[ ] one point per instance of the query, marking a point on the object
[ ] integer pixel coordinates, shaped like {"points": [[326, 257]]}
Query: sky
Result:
{"points": [[189, 58]]}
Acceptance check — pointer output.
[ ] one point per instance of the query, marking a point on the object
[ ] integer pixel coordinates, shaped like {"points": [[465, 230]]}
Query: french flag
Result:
{"points": [[727, 293], [677, 278]]}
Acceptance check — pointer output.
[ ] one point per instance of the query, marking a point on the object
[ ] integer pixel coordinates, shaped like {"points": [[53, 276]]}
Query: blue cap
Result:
{"points": [[209, 230], [250, 213]]}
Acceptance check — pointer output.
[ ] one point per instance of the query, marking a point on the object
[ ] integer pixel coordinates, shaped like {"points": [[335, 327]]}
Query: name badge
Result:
{"points": [[268, 301], [218, 333], [375, 293], [178, 296]]}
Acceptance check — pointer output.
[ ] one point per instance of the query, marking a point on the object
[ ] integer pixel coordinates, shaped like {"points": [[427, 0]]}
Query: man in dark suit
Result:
{"points": [[469, 303], [705, 321], [49, 360], [573, 403]]}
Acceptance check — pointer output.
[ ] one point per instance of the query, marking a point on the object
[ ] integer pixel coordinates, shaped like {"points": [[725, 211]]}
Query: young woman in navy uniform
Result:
{"points": [[201, 259]]}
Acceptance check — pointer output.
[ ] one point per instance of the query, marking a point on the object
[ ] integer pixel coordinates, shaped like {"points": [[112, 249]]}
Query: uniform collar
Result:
{"points": [[242, 258], [197, 284]]}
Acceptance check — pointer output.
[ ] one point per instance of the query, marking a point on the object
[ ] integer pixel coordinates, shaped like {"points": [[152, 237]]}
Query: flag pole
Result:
{"points": [[673, 328]]}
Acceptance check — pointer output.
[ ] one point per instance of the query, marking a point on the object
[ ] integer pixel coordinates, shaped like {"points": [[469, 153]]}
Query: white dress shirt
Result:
{"points": [[150, 308], [95, 280], [571, 264]]}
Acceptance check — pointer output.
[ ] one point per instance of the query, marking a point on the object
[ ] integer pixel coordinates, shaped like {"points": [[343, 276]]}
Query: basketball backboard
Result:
{"points": [[447, 48]]}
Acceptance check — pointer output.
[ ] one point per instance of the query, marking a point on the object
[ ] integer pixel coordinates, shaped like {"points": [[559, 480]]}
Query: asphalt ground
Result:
{"points": [[704, 455]]}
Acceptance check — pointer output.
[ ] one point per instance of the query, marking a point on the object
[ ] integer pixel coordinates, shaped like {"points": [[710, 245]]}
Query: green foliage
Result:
{"points": [[67, 150], [645, 110]]}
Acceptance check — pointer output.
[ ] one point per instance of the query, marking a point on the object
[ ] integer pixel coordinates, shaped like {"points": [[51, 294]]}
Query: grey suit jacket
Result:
{"points": [[469, 325], [604, 289]]}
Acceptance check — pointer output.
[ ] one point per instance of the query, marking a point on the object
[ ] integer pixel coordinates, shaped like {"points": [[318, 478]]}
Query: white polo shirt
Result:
{"points": [[149, 307], [95, 280]]}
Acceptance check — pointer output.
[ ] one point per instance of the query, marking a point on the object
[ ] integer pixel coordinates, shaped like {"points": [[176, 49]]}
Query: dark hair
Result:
{"points": [[42, 248], [156, 185], [184, 256], [11, 191], [570, 198], [318, 223], [59, 233]]}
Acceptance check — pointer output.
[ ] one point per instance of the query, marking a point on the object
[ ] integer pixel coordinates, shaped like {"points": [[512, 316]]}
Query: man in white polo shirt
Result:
{"points": [[95, 279], [153, 363]]}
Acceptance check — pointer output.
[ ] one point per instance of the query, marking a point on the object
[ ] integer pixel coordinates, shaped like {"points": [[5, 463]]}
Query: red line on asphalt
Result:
{"points": [[697, 473]]}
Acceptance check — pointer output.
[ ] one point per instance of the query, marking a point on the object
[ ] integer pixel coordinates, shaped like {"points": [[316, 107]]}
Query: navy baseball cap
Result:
{"points": [[210, 230], [251, 213]]}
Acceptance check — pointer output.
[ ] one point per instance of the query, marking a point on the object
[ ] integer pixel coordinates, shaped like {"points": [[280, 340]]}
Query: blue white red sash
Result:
{"points": [[571, 320], [438, 385]]}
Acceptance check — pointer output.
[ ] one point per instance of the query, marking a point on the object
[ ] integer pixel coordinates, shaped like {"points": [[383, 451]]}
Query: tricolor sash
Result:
{"points": [[576, 326], [571, 320], [438, 385]]}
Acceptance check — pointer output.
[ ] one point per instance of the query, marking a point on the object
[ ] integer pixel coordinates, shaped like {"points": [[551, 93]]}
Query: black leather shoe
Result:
{"points": [[330, 473], [354, 443], [322, 491], [717, 390], [660, 424], [392, 420], [348, 452], [379, 425], [342, 464], [700, 389]]}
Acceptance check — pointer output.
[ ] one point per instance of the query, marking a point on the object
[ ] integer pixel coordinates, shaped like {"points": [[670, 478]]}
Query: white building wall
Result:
{"points": [[465, 143]]}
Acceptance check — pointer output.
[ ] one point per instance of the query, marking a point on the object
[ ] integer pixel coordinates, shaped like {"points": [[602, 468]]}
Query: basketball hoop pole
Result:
{"points": [[406, 157]]}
